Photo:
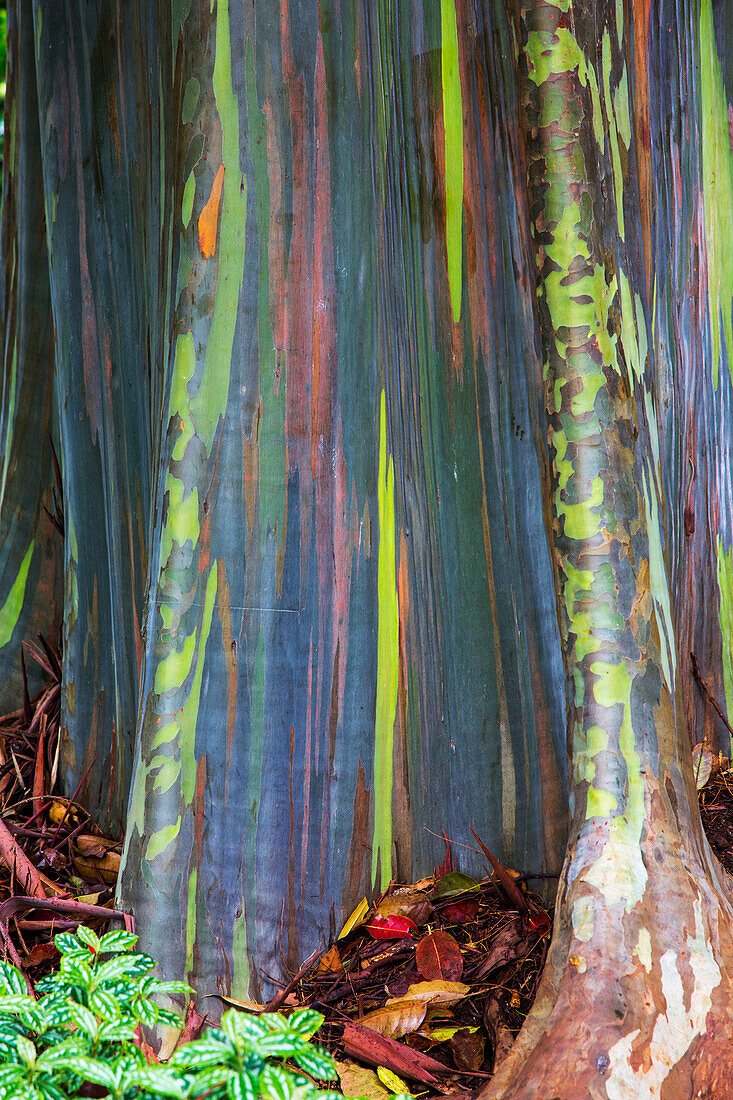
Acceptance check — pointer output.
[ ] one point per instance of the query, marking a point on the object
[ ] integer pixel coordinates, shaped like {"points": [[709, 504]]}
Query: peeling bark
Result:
{"points": [[635, 997]]}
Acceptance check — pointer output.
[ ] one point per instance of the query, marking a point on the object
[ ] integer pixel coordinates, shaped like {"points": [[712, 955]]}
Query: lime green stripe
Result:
{"points": [[717, 171], [387, 662], [13, 605], [725, 587], [210, 400], [453, 126]]}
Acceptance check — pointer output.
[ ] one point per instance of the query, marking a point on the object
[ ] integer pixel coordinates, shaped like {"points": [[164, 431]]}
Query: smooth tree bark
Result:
{"points": [[31, 565], [635, 999], [392, 392]]}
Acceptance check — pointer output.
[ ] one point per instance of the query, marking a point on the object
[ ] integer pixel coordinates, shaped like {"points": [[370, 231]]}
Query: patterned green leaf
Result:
{"points": [[317, 1062], [119, 940], [66, 941], [117, 967], [275, 1083], [305, 1022], [277, 1046], [203, 1052], [91, 939], [146, 1012], [104, 1004], [159, 1081], [94, 1070], [172, 1019], [15, 1002], [84, 1019], [26, 1049], [49, 1090], [11, 980], [117, 1032]]}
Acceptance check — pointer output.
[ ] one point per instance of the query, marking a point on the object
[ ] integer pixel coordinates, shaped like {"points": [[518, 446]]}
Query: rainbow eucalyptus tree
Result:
{"points": [[390, 372]]}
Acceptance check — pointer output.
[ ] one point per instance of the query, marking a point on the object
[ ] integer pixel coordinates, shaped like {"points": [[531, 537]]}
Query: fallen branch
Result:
{"points": [[13, 855], [376, 1050]]}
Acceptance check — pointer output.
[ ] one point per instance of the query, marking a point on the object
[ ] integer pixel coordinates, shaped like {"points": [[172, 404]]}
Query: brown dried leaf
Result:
{"points": [[396, 1018], [408, 903], [439, 956], [436, 993], [330, 963], [92, 869], [508, 945], [468, 1047]]}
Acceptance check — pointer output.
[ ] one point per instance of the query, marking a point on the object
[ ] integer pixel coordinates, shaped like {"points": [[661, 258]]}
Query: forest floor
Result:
{"points": [[423, 991]]}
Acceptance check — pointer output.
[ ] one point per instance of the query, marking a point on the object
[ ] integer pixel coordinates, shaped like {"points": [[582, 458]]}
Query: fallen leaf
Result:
{"points": [[453, 884], [407, 903], [59, 811], [90, 845], [702, 763], [439, 956], [330, 963], [468, 1047], [360, 1081], [391, 928], [436, 993], [396, 1018], [458, 912], [509, 944], [42, 952], [511, 889], [92, 869], [390, 1080], [355, 919], [444, 1034], [248, 1006]]}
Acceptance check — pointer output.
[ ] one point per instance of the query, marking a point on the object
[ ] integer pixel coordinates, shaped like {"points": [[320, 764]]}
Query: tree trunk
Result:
{"points": [[351, 585], [635, 998], [30, 550], [380, 390]]}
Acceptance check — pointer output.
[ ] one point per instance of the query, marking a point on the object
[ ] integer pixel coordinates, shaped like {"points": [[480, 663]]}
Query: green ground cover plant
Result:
{"points": [[80, 1036]]}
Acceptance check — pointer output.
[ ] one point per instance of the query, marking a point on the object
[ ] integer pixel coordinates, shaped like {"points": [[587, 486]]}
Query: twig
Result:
{"points": [[709, 694], [277, 1000], [510, 887]]}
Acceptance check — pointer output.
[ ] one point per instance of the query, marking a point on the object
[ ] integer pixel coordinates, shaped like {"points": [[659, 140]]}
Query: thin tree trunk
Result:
{"points": [[31, 549], [636, 992]]}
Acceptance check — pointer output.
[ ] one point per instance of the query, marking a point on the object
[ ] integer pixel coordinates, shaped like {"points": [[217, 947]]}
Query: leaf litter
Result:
{"points": [[429, 985], [57, 869]]}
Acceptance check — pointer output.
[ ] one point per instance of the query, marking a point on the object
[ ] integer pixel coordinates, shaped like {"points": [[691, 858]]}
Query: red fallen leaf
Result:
{"points": [[458, 912], [539, 922], [391, 928], [439, 956]]}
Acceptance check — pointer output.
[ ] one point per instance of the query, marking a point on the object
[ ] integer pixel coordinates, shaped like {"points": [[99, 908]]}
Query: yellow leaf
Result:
{"points": [[515, 1000], [359, 1081], [436, 993], [355, 919], [391, 1080], [443, 1034], [396, 1019]]}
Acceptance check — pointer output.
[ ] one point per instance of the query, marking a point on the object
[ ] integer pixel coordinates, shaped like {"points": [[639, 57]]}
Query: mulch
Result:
{"points": [[425, 988]]}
